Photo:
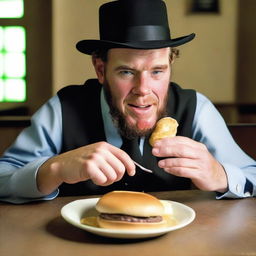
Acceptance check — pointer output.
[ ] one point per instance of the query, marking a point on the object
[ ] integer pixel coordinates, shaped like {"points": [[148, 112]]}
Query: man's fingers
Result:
{"points": [[108, 165], [180, 147], [125, 159]]}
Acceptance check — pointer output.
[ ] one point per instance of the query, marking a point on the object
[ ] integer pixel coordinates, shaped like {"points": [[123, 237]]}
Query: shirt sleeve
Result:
{"points": [[35, 144], [210, 129]]}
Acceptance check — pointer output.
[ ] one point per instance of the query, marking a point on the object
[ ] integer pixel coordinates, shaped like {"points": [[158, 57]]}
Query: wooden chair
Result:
{"points": [[245, 136], [10, 127]]}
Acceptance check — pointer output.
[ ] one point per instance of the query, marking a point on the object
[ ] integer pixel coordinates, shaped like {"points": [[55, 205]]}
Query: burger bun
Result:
{"points": [[129, 203]]}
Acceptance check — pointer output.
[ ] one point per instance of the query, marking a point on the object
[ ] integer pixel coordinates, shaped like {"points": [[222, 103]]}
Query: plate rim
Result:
{"points": [[126, 233]]}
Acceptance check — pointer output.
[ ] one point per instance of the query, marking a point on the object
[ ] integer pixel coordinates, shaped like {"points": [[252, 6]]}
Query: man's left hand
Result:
{"points": [[187, 158]]}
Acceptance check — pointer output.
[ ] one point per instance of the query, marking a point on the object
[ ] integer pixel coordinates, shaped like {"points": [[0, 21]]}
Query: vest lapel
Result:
{"points": [[131, 147], [81, 115]]}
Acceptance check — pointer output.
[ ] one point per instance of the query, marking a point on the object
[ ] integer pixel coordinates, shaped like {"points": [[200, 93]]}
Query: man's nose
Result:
{"points": [[141, 85]]}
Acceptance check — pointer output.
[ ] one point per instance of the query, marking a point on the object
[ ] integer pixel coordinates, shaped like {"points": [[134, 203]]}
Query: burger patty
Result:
{"points": [[129, 218]]}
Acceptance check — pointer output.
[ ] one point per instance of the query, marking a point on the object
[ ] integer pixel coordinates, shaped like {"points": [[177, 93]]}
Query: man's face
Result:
{"points": [[136, 84]]}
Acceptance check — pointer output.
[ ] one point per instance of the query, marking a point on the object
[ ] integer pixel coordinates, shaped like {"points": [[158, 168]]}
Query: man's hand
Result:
{"points": [[101, 162], [188, 158]]}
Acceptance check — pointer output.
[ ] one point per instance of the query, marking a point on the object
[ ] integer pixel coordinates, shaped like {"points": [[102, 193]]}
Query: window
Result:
{"points": [[11, 8], [25, 38], [12, 54], [12, 64]]}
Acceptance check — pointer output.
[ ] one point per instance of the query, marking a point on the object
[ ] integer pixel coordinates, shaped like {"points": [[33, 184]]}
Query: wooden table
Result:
{"points": [[221, 227]]}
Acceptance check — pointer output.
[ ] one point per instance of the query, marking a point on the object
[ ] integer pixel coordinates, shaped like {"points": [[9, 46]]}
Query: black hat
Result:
{"points": [[138, 24]]}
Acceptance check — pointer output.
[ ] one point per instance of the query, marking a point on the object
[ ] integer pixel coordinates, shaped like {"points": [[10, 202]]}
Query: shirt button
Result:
{"points": [[238, 188], [247, 194]]}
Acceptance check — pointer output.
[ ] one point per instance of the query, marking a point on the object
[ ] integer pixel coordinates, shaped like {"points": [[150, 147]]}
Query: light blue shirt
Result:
{"points": [[43, 139]]}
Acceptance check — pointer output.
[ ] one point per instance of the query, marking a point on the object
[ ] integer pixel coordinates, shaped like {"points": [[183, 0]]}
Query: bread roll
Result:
{"points": [[130, 203], [165, 127]]}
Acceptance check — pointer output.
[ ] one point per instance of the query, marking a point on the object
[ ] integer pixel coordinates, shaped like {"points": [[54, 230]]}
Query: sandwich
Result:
{"points": [[130, 210]]}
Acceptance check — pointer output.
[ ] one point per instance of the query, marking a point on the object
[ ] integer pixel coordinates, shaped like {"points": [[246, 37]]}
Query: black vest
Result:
{"points": [[83, 125]]}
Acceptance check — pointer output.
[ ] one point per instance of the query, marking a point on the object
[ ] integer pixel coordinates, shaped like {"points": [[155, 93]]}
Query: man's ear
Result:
{"points": [[99, 66]]}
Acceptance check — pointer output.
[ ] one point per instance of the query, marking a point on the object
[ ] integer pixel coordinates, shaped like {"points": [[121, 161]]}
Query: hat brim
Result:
{"points": [[90, 46]]}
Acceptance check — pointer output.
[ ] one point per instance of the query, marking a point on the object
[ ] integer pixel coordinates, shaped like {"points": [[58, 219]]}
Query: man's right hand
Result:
{"points": [[101, 162]]}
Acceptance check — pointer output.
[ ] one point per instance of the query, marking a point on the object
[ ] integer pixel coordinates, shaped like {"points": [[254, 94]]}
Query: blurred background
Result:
{"points": [[38, 54]]}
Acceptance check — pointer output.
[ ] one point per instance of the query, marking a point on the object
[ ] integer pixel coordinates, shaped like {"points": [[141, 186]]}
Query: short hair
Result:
{"points": [[175, 53]]}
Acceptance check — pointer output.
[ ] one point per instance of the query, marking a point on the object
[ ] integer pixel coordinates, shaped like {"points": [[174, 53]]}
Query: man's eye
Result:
{"points": [[157, 72], [126, 72]]}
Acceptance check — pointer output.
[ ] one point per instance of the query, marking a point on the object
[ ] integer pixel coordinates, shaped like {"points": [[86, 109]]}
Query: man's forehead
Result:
{"points": [[129, 54]]}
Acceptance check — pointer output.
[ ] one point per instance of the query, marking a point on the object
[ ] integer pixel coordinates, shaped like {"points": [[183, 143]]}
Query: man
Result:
{"points": [[84, 140]]}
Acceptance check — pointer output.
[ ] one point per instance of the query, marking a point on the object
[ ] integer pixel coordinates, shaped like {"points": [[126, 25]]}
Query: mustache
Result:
{"points": [[141, 100]]}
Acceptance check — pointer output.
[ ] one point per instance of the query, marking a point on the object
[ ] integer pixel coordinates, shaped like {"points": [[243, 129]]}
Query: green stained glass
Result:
{"points": [[1, 38], [11, 8], [17, 70], [1, 65], [1, 90], [15, 90], [14, 39]]}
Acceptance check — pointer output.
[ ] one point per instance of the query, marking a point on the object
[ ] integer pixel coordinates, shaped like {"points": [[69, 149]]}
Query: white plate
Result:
{"points": [[76, 210]]}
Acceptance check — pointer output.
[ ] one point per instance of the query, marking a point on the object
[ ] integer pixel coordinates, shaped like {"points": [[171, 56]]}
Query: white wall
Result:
{"points": [[207, 64]]}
